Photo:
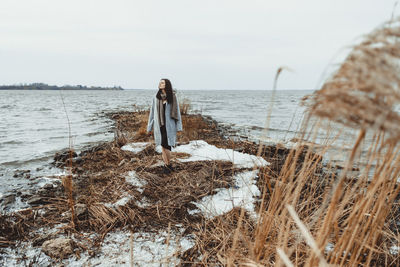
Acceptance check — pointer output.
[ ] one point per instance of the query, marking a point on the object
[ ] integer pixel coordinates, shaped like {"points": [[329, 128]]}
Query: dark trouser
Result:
{"points": [[164, 139]]}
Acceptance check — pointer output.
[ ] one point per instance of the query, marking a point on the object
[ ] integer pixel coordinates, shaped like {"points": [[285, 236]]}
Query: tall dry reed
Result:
{"points": [[311, 213], [67, 179]]}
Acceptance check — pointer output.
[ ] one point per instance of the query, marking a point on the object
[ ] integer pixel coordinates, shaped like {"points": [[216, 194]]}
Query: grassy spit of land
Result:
{"points": [[99, 181]]}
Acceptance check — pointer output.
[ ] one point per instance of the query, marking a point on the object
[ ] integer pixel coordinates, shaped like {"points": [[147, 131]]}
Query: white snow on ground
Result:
{"points": [[120, 202], [123, 201], [143, 203], [201, 150], [242, 195], [133, 179], [22, 255], [245, 190], [135, 147], [149, 249], [394, 250]]}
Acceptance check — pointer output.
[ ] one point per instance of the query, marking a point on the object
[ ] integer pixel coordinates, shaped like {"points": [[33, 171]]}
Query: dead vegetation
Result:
{"points": [[314, 215], [310, 213], [296, 177], [100, 183]]}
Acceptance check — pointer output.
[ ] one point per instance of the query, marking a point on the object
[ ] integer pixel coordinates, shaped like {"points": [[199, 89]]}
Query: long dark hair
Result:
{"points": [[168, 90]]}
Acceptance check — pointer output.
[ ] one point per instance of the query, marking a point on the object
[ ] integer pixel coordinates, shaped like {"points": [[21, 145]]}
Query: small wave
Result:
{"points": [[12, 142], [7, 106], [93, 134], [46, 129], [44, 109], [258, 128], [58, 137], [18, 163]]}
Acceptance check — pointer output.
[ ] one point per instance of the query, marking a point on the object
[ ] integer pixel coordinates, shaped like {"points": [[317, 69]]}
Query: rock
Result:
{"points": [[36, 200], [80, 209], [62, 157], [78, 160], [79, 170], [59, 248], [26, 194], [22, 173], [39, 240], [48, 186], [42, 192], [239, 149], [8, 199]]}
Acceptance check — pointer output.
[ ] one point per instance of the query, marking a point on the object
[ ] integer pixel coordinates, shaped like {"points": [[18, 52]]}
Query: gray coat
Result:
{"points": [[171, 125]]}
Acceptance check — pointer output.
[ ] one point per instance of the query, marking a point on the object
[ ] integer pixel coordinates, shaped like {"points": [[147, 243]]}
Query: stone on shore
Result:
{"points": [[7, 200], [59, 248], [36, 200]]}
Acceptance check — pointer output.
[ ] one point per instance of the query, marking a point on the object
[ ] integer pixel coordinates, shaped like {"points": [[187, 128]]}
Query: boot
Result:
{"points": [[170, 167], [166, 170]]}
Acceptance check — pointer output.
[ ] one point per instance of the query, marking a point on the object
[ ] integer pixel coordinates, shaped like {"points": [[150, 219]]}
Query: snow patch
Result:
{"points": [[149, 249], [201, 150], [24, 255], [135, 147], [242, 195], [133, 179], [394, 250], [143, 203], [120, 202]]}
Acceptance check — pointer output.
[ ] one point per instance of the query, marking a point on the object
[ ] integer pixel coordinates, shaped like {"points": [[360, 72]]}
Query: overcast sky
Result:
{"points": [[208, 44]]}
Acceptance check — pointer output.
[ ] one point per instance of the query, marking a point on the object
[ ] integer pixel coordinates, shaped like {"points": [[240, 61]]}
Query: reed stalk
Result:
{"points": [[67, 180], [312, 213]]}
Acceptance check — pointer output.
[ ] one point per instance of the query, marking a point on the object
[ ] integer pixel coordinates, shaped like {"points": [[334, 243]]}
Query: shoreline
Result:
{"points": [[127, 127], [122, 197]]}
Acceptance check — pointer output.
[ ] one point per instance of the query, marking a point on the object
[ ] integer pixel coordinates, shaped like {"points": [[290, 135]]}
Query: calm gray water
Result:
{"points": [[33, 124]]}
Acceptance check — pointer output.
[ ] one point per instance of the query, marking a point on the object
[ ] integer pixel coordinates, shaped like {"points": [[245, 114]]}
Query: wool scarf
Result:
{"points": [[161, 111]]}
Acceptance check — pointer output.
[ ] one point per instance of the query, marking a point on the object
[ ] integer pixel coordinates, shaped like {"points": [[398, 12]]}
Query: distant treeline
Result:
{"points": [[43, 86]]}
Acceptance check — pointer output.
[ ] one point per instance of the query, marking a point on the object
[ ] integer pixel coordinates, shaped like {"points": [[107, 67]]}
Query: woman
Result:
{"points": [[166, 119]]}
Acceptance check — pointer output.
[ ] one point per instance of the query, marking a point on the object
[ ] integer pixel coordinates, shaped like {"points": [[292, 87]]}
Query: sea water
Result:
{"points": [[34, 125]]}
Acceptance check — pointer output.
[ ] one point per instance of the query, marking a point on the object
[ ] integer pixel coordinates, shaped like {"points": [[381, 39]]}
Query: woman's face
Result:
{"points": [[161, 85]]}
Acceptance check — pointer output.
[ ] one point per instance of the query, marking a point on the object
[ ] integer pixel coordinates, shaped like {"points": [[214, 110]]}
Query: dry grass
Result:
{"points": [[184, 106], [309, 217], [309, 214], [99, 183], [365, 89]]}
